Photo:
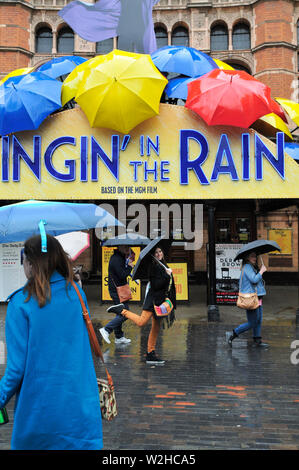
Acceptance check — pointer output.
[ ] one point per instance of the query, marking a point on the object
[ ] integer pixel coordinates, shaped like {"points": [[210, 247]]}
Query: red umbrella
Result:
{"points": [[230, 97]]}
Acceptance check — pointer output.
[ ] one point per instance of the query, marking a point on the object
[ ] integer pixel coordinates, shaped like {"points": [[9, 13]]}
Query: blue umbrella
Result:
{"points": [[60, 65], [24, 219], [292, 149], [259, 247], [26, 100], [129, 239], [183, 60], [178, 87]]}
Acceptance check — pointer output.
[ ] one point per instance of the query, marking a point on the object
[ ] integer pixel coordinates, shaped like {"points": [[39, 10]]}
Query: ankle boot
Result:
{"points": [[232, 337], [257, 341]]}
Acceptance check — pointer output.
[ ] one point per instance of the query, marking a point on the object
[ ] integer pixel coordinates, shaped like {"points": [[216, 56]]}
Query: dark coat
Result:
{"points": [[159, 284], [117, 271]]}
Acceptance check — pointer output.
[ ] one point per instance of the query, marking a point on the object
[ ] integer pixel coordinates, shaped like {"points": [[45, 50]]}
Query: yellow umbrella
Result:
{"points": [[223, 65], [269, 124], [291, 108], [71, 83], [120, 90], [16, 72]]}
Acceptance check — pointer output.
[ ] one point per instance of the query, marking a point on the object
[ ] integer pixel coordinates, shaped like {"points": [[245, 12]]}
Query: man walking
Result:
{"points": [[120, 266]]}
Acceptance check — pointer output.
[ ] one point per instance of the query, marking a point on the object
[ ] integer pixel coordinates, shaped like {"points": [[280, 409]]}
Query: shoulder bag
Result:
{"points": [[124, 292], [248, 301], [106, 386], [167, 306]]}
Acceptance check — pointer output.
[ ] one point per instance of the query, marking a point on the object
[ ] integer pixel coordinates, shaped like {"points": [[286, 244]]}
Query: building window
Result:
{"points": [[241, 36], [161, 37], [219, 38], [180, 37], [240, 67], [43, 40], [104, 47], [298, 33], [65, 41]]}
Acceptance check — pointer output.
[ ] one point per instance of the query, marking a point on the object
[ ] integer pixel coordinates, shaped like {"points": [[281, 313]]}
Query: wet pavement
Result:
{"points": [[207, 395]]}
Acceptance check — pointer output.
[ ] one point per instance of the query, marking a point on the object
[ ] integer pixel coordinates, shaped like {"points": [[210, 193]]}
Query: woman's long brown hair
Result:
{"points": [[43, 266]]}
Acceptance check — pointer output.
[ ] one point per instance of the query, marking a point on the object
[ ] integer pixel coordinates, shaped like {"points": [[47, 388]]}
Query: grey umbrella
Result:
{"points": [[259, 247], [140, 270], [129, 239]]}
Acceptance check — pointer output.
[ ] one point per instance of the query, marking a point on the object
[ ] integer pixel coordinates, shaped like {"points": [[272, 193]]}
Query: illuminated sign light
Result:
{"points": [[91, 153]]}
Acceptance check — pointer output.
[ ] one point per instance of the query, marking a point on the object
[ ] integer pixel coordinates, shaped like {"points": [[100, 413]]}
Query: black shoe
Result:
{"points": [[151, 358], [232, 337], [116, 309], [257, 342]]}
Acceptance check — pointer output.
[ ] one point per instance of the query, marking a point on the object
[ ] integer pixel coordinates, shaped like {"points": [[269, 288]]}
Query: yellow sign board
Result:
{"points": [[107, 252], [173, 154], [180, 275], [283, 237]]}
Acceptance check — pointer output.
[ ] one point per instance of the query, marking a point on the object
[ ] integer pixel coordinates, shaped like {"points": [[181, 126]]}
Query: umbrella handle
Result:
{"points": [[262, 261], [43, 235]]}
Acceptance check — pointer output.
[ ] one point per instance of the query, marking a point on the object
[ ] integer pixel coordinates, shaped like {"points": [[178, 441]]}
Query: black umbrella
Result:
{"points": [[259, 247], [129, 239], [140, 270]]}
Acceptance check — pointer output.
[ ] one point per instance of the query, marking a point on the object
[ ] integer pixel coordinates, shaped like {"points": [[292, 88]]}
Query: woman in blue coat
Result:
{"points": [[49, 361], [251, 280]]}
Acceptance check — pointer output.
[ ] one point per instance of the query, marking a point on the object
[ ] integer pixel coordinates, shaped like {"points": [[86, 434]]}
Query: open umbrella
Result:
{"points": [[74, 243], [292, 148], [259, 247], [26, 100], [60, 65], [20, 221], [17, 72], [270, 124], [71, 83], [223, 65], [291, 108], [120, 91], [140, 270], [178, 87], [129, 239], [183, 60], [229, 97]]}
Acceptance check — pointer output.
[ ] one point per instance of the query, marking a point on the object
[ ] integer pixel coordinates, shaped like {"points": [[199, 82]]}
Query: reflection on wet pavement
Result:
{"points": [[206, 396]]}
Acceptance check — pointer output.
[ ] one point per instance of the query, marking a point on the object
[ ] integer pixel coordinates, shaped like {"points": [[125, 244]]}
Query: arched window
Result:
{"points": [[240, 67], [180, 37], [219, 38], [65, 41], [104, 47], [241, 36], [43, 40], [161, 37]]}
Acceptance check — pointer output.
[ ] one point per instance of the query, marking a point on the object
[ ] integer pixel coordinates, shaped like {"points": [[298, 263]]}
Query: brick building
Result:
{"points": [[259, 36]]}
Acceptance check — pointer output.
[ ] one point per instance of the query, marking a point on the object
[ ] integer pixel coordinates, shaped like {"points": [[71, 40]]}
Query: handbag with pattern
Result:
{"points": [[106, 386]]}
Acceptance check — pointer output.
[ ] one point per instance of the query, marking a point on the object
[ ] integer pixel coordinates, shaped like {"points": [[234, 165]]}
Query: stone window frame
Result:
{"points": [[43, 26], [213, 26], [241, 21], [180, 25], [64, 27]]}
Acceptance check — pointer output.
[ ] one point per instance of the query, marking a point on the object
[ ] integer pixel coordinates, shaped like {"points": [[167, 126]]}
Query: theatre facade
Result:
{"points": [[172, 174]]}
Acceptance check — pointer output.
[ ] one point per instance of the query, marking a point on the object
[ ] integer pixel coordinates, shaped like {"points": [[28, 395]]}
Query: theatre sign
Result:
{"points": [[174, 155]]}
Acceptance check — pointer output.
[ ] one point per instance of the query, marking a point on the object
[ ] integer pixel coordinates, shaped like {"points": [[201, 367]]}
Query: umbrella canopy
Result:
{"points": [[223, 65], [20, 221], [229, 97], [60, 65], [292, 149], [16, 73], [140, 270], [259, 247], [120, 91], [270, 124], [178, 87], [71, 83], [291, 108], [26, 100], [129, 239], [74, 243], [183, 60]]}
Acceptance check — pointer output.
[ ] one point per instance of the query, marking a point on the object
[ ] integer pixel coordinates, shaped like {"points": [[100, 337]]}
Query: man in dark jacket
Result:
{"points": [[120, 266]]}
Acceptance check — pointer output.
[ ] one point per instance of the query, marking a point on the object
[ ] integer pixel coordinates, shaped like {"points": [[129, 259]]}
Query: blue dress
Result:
{"points": [[51, 371]]}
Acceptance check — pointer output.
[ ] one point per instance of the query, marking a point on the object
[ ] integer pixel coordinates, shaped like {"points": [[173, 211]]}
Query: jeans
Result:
{"points": [[254, 322], [116, 323]]}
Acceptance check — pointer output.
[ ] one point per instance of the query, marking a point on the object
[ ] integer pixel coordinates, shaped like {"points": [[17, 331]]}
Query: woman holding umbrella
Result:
{"points": [[251, 280]]}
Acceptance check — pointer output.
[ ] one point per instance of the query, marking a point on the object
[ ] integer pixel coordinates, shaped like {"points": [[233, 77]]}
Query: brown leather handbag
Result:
{"points": [[248, 301], [124, 292], [106, 386]]}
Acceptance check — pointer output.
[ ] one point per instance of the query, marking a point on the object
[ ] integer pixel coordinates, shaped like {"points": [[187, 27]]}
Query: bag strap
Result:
{"points": [[240, 285], [91, 333]]}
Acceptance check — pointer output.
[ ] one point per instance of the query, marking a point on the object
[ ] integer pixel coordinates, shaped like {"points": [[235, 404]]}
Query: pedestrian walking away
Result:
{"points": [[50, 367], [160, 278], [251, 280], [120, 267]]}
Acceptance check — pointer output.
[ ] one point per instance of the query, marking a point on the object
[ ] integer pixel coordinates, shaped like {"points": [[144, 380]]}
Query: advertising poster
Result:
{"points": [[283, 237], [12, 275], [180, 275], [107, 252], [227, 273]]}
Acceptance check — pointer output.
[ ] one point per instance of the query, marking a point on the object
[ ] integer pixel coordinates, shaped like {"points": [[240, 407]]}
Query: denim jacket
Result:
{"points": [[251, 281]]}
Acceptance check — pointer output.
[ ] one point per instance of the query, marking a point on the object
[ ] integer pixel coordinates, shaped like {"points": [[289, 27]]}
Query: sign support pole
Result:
{"points": [[213, 309]]}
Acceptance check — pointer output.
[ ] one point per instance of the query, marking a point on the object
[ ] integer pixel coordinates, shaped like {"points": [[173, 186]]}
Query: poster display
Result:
{"points": [[227, 273], [283, 237], [180, 275], [12, 275], [107, 252]]}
